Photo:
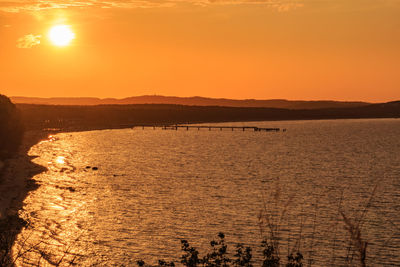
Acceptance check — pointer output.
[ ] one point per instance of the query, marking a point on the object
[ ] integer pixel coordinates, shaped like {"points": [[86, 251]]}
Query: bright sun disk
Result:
{"points": [[61, 35]]}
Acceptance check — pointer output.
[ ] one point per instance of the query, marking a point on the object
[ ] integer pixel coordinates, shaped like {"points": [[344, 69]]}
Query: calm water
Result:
{"points": [[154, 187]]}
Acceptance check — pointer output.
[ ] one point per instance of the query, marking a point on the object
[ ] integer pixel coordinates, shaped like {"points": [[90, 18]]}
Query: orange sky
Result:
{"points": [[293, 49]]}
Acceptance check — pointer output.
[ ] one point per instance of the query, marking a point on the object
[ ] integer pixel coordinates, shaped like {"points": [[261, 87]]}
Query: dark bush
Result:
{"points": [[11, 129], [219, 256]]}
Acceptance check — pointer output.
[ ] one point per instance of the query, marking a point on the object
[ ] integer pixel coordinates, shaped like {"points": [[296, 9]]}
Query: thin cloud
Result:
{"points": [[28, 41], [16, 6], [279, 5], [288, 6]]}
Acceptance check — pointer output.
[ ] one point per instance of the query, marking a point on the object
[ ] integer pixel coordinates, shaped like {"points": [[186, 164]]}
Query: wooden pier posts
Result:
{"points": [[243, 128]]}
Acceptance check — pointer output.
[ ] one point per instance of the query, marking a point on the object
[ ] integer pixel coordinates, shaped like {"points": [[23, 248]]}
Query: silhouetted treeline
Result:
{"points": [[11, 129], [116, 116]]}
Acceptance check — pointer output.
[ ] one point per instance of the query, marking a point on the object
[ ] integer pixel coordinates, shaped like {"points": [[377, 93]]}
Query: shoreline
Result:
{"points": [[15, 178]]}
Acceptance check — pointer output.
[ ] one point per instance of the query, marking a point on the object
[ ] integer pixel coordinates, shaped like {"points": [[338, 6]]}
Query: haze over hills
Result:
{"points": [[189, 101]]}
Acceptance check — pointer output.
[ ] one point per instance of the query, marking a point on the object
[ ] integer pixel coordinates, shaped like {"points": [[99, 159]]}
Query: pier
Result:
{"points": [[199, 127]]}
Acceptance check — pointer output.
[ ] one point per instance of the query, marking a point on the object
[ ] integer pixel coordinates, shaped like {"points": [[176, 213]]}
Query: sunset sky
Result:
{"points": [[263, 49]]}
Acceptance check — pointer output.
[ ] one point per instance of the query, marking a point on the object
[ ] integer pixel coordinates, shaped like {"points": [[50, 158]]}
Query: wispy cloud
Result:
{"points": [[16, 6], [279, 5], [28, 41]]}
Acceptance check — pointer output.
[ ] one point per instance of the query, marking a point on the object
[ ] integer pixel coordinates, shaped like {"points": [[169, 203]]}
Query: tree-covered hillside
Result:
{"points": [[11, 129]]}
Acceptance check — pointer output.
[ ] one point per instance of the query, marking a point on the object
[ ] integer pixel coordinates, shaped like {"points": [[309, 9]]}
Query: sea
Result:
{"points": [[324, 188]]}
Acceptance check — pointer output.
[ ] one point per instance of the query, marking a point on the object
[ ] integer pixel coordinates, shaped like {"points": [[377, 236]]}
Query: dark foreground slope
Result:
{"points": [[117, 116]]}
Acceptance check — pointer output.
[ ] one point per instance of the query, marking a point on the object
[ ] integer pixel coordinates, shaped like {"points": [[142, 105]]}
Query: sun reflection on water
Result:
{"points": [[60, 160]]}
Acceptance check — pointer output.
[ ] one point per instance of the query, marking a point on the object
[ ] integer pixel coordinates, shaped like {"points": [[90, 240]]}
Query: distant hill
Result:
{"points": [[189, 101]]}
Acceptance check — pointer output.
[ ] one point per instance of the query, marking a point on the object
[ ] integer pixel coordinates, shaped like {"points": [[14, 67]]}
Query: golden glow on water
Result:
{"points": [[152, 188], [51, 138], [60, 160]]}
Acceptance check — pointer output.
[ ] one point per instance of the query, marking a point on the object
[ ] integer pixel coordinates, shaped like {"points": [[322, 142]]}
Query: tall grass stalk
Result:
{"points": [[310, 254], [353, 227], [333, 258]]}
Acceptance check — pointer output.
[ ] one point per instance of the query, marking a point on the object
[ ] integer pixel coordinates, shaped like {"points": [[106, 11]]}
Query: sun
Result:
{"points": [[61, 35]]}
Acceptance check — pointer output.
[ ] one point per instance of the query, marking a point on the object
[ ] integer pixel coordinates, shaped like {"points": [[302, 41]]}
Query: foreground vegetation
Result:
{"points": [[11, 128], [219, 256]]}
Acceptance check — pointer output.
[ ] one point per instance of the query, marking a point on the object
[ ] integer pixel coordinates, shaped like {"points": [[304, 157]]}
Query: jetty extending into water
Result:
{"points": [[199, 127]]}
